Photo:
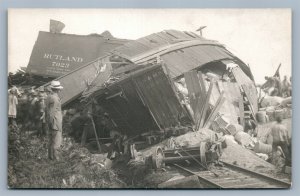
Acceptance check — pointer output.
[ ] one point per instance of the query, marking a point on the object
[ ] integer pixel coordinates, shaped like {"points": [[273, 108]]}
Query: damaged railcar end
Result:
{"points": [[142, 105]]}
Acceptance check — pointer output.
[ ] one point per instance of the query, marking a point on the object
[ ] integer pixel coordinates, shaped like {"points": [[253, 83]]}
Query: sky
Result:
{"points": [[259, 37]]}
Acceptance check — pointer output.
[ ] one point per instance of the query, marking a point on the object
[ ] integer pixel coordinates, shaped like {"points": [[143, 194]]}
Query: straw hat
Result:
{"points": [[14, 89], [55, 85]]}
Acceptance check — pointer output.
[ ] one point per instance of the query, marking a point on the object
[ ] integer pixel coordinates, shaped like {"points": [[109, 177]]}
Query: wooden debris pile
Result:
{"points": [[221, 104], [199, 99]]}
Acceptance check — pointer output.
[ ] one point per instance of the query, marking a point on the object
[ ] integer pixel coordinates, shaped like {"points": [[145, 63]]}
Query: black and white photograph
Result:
{"points": [[149, 98]]}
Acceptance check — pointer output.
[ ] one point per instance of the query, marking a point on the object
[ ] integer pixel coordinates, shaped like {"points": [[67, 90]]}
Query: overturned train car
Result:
{"points": [[141, 97], [143, 102]]}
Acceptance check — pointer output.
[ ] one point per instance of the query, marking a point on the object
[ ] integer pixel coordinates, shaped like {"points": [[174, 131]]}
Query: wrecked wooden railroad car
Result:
{"points": [[213, 86], [56, 54], [182, 51], [142, 101]]}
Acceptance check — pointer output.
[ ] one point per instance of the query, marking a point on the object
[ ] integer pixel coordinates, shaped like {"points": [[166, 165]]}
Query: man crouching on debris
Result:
{"points": [[54, 120], [280, 138]]}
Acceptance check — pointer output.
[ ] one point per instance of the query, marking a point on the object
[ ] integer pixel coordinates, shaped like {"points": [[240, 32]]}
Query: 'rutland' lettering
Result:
{"points": [[63, 58]]}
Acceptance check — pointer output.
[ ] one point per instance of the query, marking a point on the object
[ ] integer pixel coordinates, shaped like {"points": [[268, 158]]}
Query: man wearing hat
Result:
{"points": [[34, 110], [42, 131], [54, 120], [12, 106]]}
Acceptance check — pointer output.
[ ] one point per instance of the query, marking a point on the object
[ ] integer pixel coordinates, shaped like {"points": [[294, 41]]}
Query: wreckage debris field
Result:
{"points": [[29, 166], [142, 113]]}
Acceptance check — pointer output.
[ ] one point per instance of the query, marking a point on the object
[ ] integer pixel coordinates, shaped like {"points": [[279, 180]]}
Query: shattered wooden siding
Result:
{"points": [[232, 95], [161, 99], [147, 102]]}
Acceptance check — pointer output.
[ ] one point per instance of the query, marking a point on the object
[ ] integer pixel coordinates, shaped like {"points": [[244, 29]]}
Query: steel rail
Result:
{"points": [[215, 185], [254, 173], [246, 172]]}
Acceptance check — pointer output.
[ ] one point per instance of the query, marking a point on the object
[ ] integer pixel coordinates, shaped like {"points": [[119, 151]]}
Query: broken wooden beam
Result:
{"points": [[248, 86], [193, 86], [241, 109], [215, 110], [251, 99], [206, 104], [277, 71], [202, 85]]}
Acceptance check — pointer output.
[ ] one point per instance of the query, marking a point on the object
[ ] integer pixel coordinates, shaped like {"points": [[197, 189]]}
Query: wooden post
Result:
{"points": [[214, 112], [241, 108], [206, 104], [193, 86], [277, 71], [95, 132], [83, 136]]}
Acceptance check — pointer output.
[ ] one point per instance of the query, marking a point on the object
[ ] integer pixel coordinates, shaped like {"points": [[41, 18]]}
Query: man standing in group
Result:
{"points": [[34, 113], [286, 87], [42, 128], [54, 120], [272, 86], [12, 106], [280, 138]]}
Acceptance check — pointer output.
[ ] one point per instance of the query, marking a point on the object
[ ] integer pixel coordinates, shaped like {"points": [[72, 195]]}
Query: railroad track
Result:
{"points": [[233, 177]]}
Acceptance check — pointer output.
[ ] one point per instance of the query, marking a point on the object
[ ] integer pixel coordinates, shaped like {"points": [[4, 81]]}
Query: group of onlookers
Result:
{"points": [[38, 110], [28, 109], [275, 87]]}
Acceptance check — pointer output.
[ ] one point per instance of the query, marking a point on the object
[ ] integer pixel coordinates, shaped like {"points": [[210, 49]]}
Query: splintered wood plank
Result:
{"points": [[215, 94], [215, 111], [248, 86], [202, 83], [206, 104], [226, 108], [239, 98], [234, 88], [249, 93], [197, 114], [242, 114], [193, 86], [232, 101], [204, 107], [200, 100]]}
